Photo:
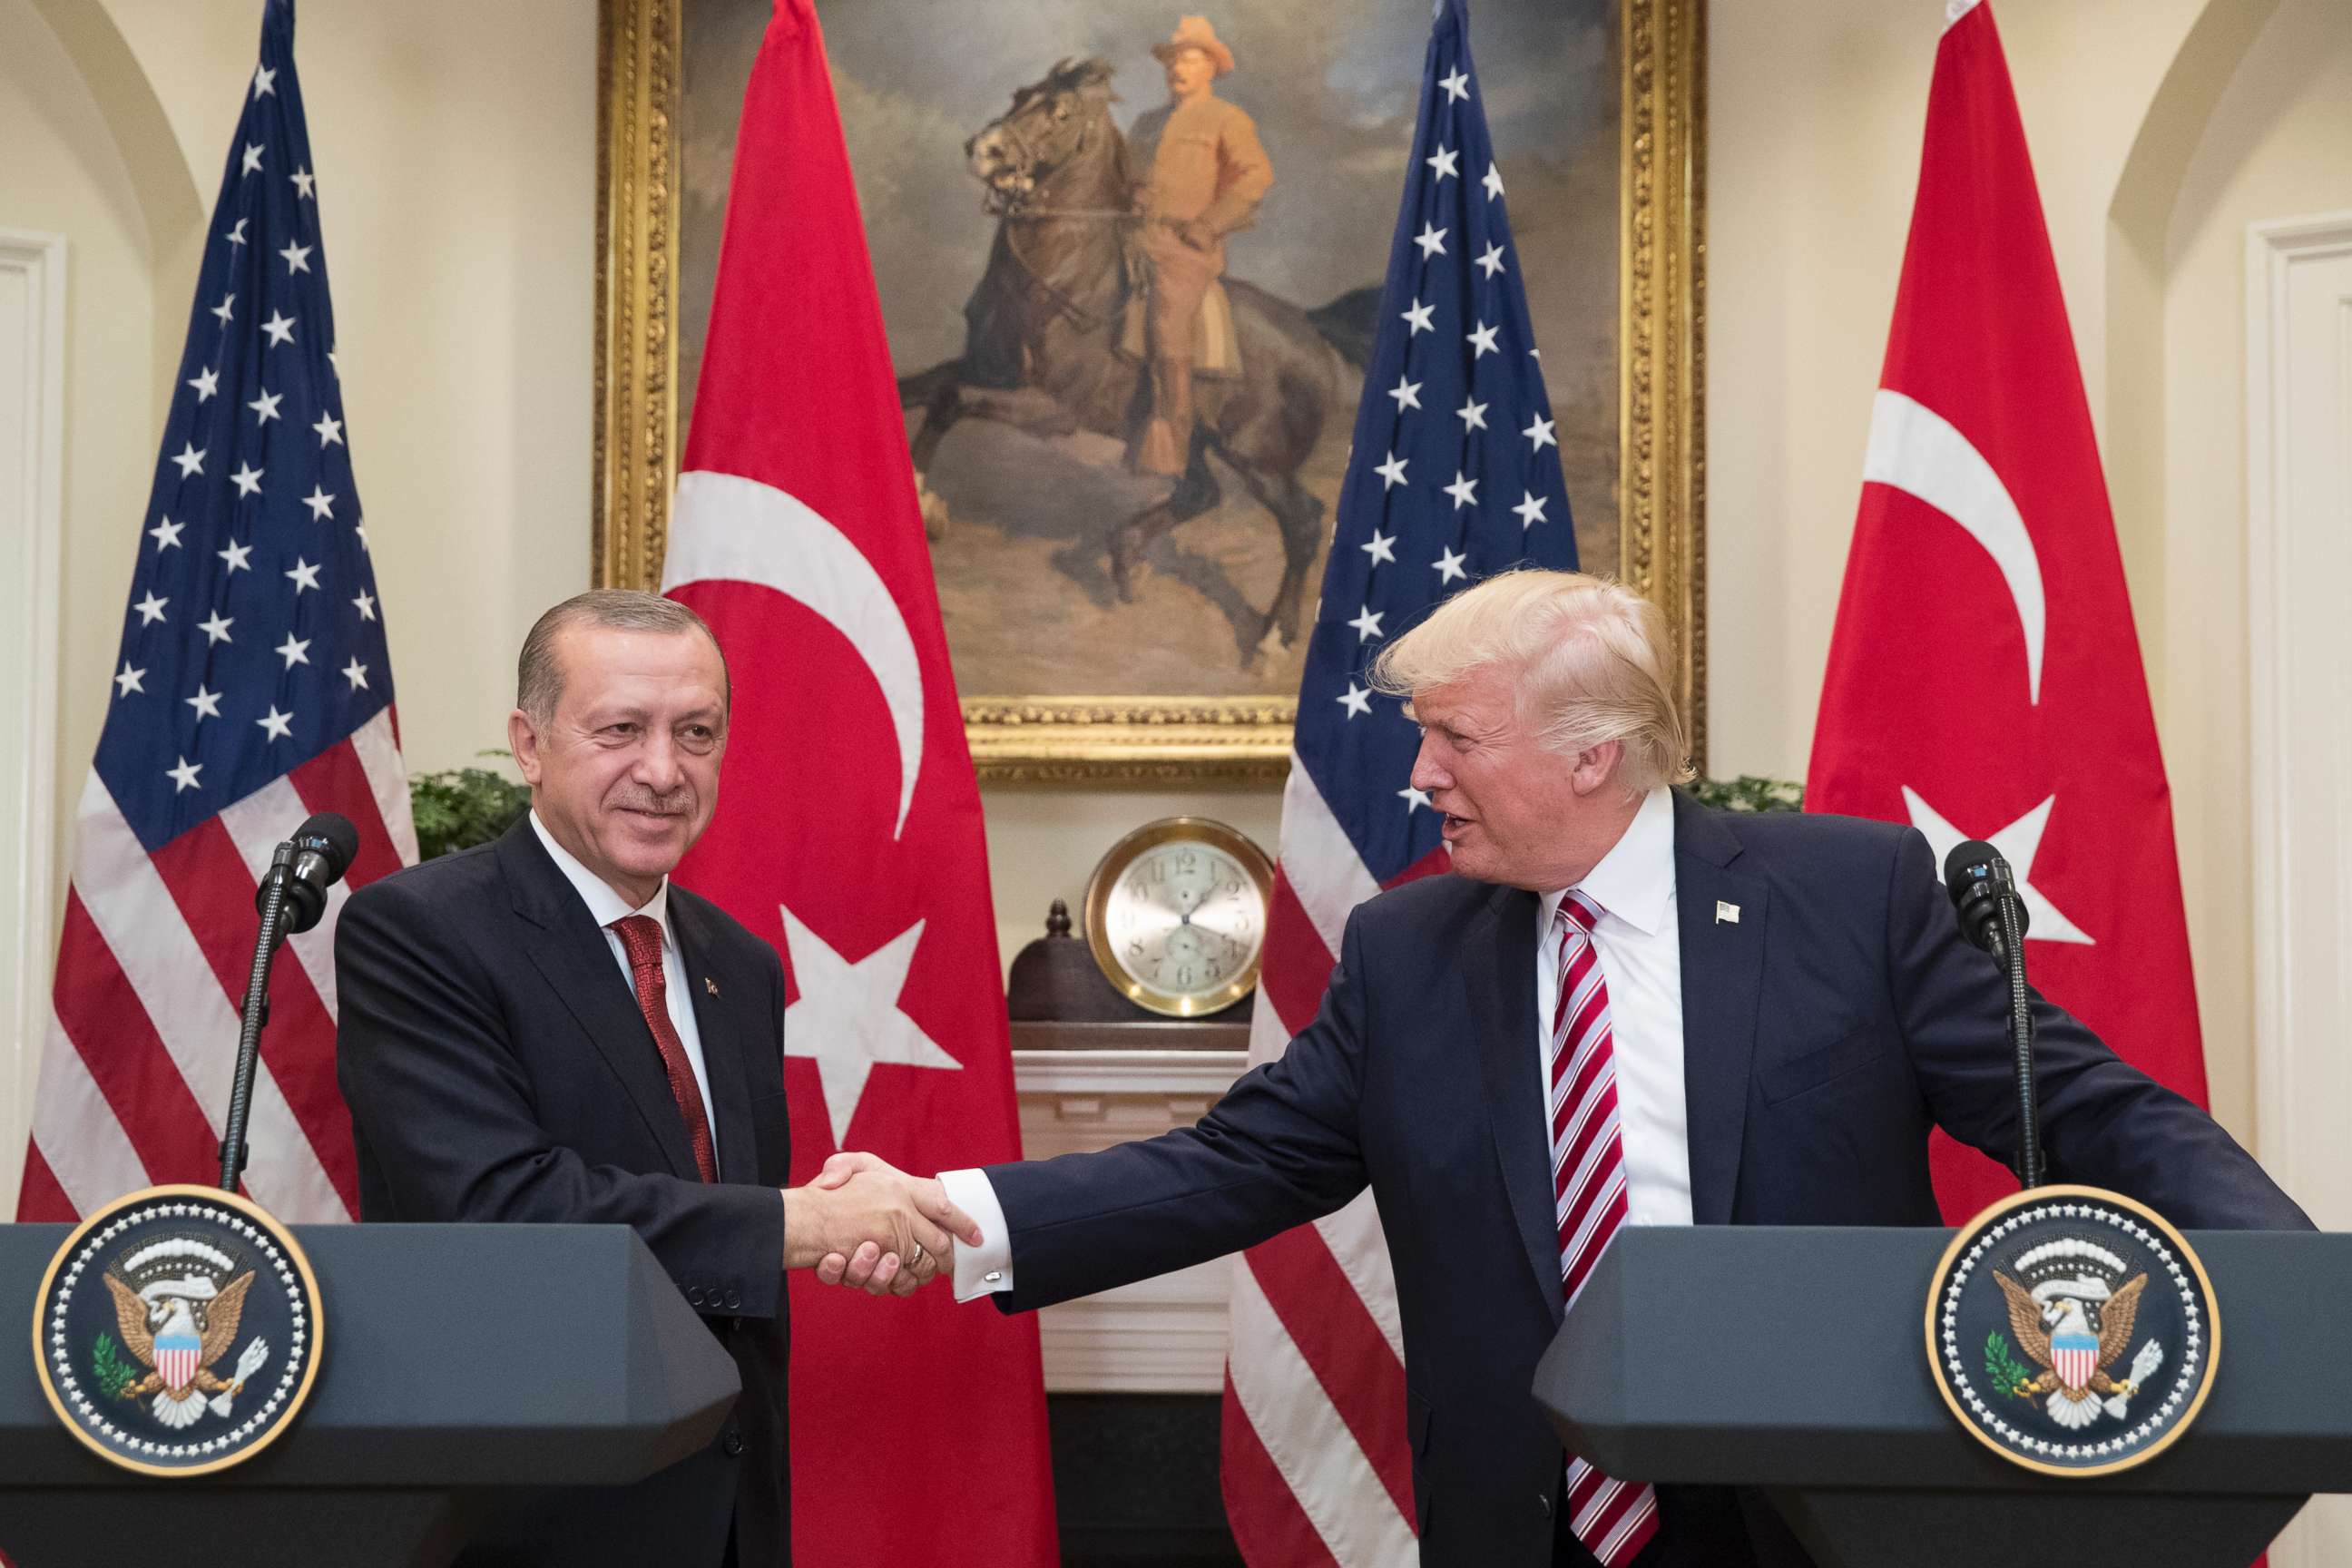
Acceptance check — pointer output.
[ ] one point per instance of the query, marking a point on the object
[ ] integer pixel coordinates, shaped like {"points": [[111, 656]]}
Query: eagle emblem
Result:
{"points": [[178, 1303], [2051, 1321]]}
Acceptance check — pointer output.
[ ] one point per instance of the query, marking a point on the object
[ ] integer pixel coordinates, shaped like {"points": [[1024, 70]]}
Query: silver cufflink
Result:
{"points": [[994, 1277]]}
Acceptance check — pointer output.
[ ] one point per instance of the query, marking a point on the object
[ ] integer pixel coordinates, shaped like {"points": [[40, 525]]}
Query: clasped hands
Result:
{"points": [[863, 1222]]}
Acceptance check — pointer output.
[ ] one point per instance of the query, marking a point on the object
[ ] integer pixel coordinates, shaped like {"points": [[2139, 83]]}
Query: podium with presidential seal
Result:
{"points": [[2046, 1384]]}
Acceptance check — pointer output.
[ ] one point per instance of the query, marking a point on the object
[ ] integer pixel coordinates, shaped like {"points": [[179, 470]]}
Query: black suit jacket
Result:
{"points": [[498, 1069], [1823, 1033]]}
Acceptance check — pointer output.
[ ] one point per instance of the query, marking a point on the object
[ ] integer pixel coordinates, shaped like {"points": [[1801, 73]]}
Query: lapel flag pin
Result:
{"points": [[713, 985], [1726, 914]]}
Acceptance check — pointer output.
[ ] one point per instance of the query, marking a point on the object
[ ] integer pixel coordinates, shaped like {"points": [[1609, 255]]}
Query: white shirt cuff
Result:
{"points": [[988, 1268]]}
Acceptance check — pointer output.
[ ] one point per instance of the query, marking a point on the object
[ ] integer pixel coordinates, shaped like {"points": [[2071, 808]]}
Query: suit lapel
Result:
{"points": [[1499, 970], [722, 1046], [1721, 925], [577, 962]]}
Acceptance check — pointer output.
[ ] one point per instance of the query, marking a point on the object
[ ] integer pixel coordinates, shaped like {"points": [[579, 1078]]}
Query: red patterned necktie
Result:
{"points": [[1613, 1518], [641, 939]]}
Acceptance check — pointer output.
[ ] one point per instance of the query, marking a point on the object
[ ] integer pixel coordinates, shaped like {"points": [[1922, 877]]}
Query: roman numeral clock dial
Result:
{"points": [[1176, 915]]}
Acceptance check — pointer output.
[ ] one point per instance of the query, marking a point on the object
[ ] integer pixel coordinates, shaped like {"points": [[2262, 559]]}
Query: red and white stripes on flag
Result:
{"points": [[151, 967], [1315, 1467]]}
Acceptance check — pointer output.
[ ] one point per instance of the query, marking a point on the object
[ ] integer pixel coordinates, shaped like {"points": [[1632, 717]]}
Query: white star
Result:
{"points": [[266, 407], [1444, 162], [1379, 547], [263, 80], [1418, 317], [238, 556], [278, 329], [321, 503], [1493, 181], [217, 630], [849, 1016], [1392, 472], [247, 479], [303, 575], [184, 776], [1482, 339], [129, 681], [1490, 261], [227, 308], [1473, 416], [279, 725], [1539, 433], [1457, 86], [330, 429], [235, 235], [151, 608], [1530, 508], [166, 534], [1367, 624], [1357, 702], [298, 257], [1431, 240], [335, 362], [1406, 392], [2018, 843], [1413, 797], [191, 461], [293, 650], [206, 383], [252, 160], [1449, 567], [1465, 492], [359, 529], [356, 673], [206, 703], [303, 181], [365, 604]]}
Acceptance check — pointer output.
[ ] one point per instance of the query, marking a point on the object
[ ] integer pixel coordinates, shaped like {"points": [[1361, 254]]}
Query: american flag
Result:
{"points": [[1455, 475], [252, 689]]}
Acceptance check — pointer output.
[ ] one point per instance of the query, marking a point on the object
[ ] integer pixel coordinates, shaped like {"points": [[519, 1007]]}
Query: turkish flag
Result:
{"points": [[849, 834], [1984, 678]]}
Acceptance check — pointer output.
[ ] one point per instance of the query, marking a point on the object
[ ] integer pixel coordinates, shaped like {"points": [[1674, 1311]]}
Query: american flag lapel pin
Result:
{"points": [[1726, 914], [713, 985]]}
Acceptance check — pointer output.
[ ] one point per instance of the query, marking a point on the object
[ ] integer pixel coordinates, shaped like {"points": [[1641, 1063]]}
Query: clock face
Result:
{"points": [[1184, 922]]}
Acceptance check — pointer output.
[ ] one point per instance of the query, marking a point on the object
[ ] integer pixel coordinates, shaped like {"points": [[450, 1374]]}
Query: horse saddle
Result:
{"points": [[1216, 347]]}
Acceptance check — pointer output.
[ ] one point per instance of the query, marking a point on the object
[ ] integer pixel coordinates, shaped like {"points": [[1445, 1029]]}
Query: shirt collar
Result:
{"points": [[604, 905], [1635, 880]]}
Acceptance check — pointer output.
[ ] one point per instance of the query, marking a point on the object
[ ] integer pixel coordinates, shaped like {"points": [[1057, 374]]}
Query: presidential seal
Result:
{"points": [[2071, 1330], [178, 1331]]}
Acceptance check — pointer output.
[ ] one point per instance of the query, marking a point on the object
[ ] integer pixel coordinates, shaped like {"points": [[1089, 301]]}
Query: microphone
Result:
{"points": [[291, 898], [306, 866], [1992, 916]]}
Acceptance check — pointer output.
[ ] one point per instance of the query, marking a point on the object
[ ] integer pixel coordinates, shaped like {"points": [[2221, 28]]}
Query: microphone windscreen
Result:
{"points": [[334, 838], [1970, 862]]}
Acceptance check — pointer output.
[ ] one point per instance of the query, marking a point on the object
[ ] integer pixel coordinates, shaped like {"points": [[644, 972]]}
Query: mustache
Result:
{"points": [[677, 802]]}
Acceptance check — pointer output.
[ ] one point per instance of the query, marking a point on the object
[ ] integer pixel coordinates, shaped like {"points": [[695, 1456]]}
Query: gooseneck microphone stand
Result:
{"points": [[1992, 916], [271, 902]]}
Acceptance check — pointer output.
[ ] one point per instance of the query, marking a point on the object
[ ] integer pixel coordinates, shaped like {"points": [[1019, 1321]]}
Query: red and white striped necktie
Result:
{"points": [[1613, 1518]]}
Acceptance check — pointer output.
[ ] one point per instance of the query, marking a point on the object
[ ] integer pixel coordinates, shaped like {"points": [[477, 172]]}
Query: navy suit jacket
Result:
{"points": [[1824, 1034], [498, 1069]]}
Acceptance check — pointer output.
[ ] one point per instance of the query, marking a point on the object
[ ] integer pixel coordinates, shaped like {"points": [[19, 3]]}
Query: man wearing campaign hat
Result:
{"points": [[1204, 175]]}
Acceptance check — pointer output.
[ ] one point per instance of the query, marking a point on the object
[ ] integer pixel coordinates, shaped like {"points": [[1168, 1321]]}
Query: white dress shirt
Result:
{"points": [[604, 907], [1641, 951], [1640, 945]]}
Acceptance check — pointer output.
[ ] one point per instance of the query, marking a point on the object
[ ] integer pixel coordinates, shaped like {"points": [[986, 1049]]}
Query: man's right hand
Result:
{"points": [[873, 1227]]}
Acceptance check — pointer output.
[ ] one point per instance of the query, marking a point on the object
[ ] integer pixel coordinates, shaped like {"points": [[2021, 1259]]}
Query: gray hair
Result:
{"points": [[1592, 656], [539, 675]]}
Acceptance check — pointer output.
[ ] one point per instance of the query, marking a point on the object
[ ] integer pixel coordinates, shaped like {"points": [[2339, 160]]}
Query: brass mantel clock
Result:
{"points": [[1176, 915]]}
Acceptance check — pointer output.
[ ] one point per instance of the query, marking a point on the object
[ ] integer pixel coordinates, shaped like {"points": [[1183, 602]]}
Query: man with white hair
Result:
{"points": [[1619, 1007]]}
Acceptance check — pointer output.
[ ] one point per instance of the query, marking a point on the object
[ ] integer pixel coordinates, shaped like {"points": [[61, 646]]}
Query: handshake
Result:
{"points": [[864, 1223]]}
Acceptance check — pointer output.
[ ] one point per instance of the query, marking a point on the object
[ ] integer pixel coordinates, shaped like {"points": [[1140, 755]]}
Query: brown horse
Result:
{"points": [[1043, 325]]}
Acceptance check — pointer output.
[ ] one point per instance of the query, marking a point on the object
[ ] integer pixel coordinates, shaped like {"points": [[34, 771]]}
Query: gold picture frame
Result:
{"points": [[1174, 739]]}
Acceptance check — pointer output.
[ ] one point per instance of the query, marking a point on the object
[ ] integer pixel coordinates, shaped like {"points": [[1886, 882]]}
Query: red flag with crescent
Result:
{"points": [[848, 834], [1984, 677]]}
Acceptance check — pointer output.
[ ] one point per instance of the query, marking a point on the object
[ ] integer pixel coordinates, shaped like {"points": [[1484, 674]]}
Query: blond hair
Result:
{"points": [[1593, 658]]}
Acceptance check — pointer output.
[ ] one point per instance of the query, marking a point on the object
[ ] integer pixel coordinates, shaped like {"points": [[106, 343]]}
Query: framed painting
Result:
{"points": [[1089, 646]]}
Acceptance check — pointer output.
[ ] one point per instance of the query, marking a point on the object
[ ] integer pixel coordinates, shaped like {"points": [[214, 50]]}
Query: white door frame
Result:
{"points": [[29, 588], [2296, 1014]]}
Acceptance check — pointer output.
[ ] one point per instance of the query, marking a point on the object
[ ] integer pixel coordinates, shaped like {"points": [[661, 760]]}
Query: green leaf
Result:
{"points": [[460, 807], [113, 1373], [1748, 792]]}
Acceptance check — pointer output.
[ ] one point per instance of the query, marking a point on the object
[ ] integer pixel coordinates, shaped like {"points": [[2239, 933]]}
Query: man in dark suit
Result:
{"points": [[544, 1029], [1737, 1019]]}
